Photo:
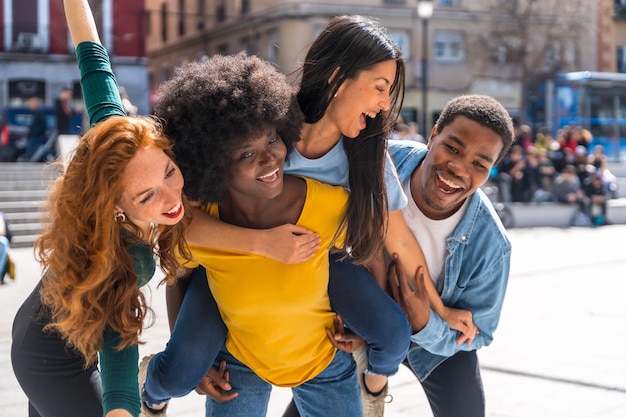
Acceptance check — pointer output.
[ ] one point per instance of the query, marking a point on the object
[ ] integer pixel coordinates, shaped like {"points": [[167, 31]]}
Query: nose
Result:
{"points": [[459, 168], [268, 157], [385, 101], [172, 192]]}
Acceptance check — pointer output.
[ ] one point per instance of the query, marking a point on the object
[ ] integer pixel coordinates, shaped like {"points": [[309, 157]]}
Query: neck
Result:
{"points": [[317, 139], [262, 213]]}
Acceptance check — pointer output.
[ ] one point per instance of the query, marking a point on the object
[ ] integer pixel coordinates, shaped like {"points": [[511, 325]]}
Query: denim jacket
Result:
{"points": [[475, 276]]}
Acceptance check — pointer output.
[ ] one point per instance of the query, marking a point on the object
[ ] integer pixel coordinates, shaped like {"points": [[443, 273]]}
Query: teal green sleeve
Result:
{"points": [[119, 371], [100, 91]]}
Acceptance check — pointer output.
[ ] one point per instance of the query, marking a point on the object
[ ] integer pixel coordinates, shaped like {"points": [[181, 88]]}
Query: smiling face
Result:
{"points": [[153, 187], [458, 162], [256, 168], [362, 97]]}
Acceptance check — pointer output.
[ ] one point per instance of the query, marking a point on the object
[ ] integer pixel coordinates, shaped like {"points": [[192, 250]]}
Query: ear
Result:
{"points": [[433, 135]]}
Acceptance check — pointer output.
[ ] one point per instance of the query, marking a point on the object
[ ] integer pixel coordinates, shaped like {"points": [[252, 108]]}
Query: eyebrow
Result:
{"points": [[141, 193], [462, 145]]}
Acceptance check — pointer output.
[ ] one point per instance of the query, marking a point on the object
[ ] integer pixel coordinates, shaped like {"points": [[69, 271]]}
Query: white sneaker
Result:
{"points": [[373, 405], [145, 410]]}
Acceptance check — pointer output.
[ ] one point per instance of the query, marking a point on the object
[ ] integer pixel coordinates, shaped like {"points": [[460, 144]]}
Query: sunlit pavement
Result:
{"points": [[559, 350]]}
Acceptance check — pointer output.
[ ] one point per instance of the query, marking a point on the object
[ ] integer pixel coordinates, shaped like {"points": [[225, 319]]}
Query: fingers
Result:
{"points": [[216, 384], [339, 327], [403, 283], [418, 281]]}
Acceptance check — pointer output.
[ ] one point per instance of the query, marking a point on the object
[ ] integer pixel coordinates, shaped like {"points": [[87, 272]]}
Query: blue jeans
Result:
{"points": [[199, 331], [334, 392], [198, 335], [371, 313]]}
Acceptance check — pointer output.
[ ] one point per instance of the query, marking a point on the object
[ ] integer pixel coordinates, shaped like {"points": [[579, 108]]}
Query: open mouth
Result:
{"points": [[175, 211], [269, 178], [447, 186]]}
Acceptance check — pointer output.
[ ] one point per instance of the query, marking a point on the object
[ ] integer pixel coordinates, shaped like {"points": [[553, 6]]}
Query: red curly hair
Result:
{"points": [[91, 283]]}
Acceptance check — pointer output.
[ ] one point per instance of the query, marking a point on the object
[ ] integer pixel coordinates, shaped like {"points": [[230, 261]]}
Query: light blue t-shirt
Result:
{"points": [[332, 168]]}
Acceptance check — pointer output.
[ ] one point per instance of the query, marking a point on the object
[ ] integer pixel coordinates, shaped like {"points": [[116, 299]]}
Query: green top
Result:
{"points": [[119, 368]]}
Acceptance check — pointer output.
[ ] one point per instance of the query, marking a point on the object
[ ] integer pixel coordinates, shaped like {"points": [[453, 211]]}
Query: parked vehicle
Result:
{"points": [[12, 140], [14, 126]]}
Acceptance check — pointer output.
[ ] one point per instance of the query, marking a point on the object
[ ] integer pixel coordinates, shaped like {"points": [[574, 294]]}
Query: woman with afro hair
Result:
{"points": [[350, 93], [233, 121]]}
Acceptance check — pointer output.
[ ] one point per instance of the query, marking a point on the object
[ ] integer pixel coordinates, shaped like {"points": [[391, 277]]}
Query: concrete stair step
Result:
{"points": [[23, 217], [22, 206], [23, 195], [23, 241], [19, 184]]}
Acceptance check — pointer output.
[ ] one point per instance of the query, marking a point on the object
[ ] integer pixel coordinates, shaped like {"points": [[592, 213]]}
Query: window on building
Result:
{"points": [[394, 1], [200, 22], [245, 6], [448, 47], [621, 58], [448, 2], [181, 17], [402, 39], [163, 22], [220, 10], [272, 46]]}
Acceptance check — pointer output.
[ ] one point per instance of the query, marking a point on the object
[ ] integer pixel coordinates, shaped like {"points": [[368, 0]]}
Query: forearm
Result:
{"points": [[287, 243], [80, 21], [118, 412], [208, 231], [119, 370]]}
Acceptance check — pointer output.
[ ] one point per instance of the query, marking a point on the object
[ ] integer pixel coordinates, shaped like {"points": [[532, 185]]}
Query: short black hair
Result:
{"points": [[485, 110], [210, 108]]}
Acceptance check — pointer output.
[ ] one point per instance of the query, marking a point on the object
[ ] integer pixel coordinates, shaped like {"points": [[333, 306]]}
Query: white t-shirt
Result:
{"points": [[431, 234]]}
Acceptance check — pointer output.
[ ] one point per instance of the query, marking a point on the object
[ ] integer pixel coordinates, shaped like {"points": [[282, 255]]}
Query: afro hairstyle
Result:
{"points": [[213, 107]]}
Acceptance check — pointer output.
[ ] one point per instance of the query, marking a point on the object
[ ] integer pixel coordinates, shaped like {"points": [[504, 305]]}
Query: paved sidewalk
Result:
{"points": [[559, 350]]}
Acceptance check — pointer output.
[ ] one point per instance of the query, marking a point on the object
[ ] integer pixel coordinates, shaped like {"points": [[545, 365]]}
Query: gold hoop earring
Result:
{"points": [[120, 217]]}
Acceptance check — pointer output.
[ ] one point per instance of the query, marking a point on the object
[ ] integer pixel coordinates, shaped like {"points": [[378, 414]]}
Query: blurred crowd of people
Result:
{"points": [[565, 169]]}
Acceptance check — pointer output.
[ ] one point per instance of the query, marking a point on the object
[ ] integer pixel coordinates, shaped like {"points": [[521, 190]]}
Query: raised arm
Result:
{"points": [[288, 243], [80, 21]]}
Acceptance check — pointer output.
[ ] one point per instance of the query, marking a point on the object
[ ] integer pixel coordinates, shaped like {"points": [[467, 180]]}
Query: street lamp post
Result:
{"points": [[425, 12]]}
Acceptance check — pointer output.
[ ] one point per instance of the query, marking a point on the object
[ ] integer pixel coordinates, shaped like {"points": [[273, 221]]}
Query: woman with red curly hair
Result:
{"points": [[116, 209]]}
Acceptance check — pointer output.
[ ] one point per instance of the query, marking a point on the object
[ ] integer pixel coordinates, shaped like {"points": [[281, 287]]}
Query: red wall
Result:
{"points": [[58, 28], [129, 28]]}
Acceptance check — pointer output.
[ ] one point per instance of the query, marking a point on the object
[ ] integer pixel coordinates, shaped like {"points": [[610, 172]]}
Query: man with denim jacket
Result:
{"points": [[465, 244]]}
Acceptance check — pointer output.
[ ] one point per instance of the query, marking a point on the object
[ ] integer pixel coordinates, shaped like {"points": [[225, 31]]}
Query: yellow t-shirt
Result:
{"points": [[277, 314]]}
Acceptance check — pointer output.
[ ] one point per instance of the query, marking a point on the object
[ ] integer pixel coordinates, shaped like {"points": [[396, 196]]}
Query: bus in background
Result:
{"points": [[593, 100]]}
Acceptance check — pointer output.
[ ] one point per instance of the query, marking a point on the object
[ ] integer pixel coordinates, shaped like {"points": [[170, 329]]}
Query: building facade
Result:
{"points": [[465, 44], [37, 56]]}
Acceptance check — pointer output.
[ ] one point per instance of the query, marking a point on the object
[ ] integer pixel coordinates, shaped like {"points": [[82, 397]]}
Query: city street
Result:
{"points": [[559, 350]]}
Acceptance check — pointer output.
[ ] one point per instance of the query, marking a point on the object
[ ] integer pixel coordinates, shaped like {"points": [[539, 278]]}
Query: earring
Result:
{"points": [[335, 96], [120, 217]]}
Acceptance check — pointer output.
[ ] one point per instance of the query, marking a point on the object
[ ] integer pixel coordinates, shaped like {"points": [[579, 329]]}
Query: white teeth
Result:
{"points": [[370, 114], [448, 183], [270, 174], [174, 210]]}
